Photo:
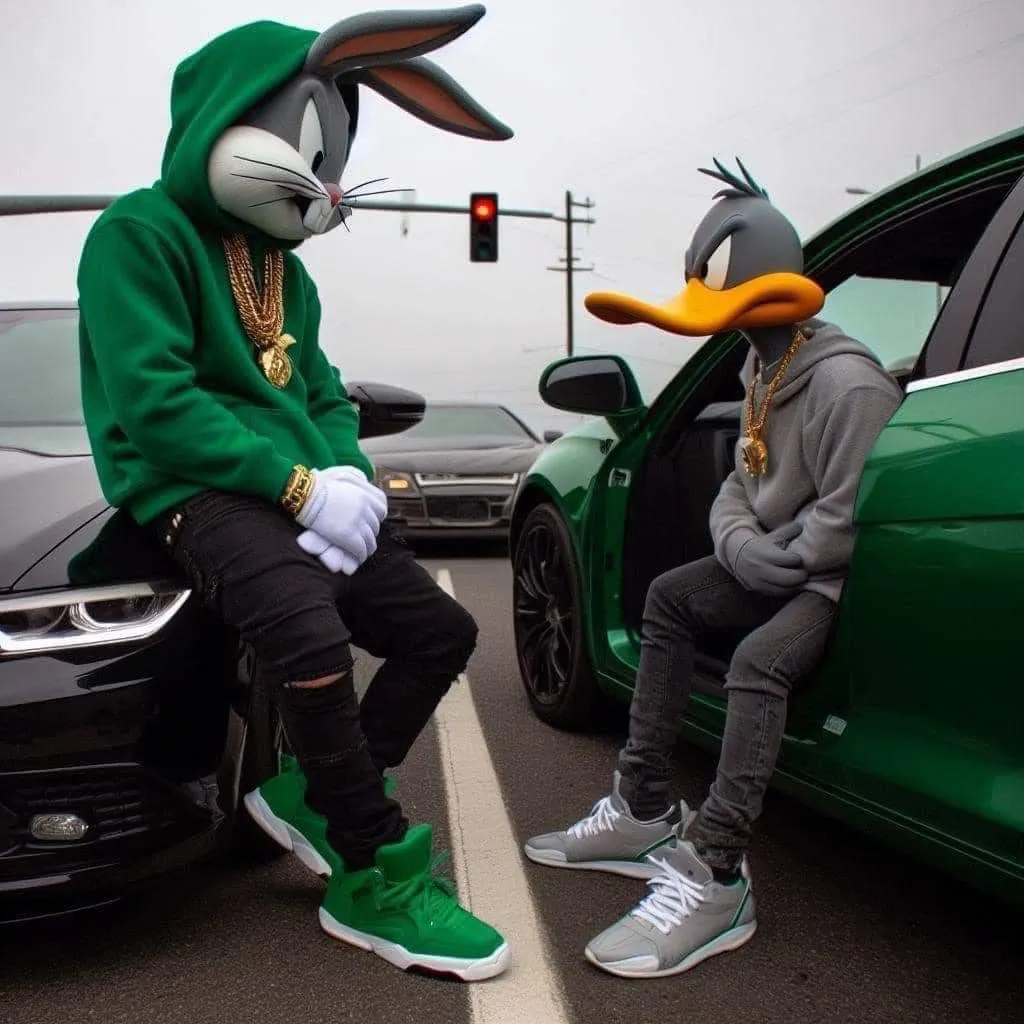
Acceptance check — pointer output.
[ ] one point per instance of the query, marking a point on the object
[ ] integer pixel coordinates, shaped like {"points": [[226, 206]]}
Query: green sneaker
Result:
{"points": [[279, 808], [410, 917]]}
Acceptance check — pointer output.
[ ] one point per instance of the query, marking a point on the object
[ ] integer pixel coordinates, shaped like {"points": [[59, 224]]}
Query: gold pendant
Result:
{"points": [[275, 362], [755, 456]]}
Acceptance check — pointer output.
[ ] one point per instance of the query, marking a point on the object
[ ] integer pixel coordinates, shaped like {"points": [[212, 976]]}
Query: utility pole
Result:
{"points": [[404, 227], [570, 260]]}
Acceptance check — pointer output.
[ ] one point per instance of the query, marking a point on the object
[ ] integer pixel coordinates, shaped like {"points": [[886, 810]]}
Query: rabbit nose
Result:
{"points": [[335, 194]]}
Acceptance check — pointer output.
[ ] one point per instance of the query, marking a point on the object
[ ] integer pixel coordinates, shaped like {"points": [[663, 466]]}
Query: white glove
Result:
{"points": [[333, 557], [357, 476], [345, 513], [330, 554]]}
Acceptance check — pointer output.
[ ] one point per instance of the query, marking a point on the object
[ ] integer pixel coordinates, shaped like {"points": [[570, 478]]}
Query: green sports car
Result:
{"points": [[913, 727]]}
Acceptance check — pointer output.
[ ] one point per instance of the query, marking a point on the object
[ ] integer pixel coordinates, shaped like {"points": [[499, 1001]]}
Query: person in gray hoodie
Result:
{"points": [[783, 533]]}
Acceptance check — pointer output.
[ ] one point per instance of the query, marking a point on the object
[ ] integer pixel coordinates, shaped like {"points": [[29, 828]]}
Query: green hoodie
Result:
{"points": [[174, 400]]}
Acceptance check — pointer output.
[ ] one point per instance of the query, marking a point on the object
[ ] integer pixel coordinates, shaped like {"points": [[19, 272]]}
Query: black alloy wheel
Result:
{"points": [[547, 616]]}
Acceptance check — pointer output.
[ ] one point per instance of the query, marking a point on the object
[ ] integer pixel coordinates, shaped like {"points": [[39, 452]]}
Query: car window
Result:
{"points": [[39, 381], [999, 332], [443, 421], [892, 317], [40, 391]]}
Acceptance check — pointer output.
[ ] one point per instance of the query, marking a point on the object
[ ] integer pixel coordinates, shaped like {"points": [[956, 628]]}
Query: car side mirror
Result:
{"points": [[385, 409], [551, 435], [593, 386]]}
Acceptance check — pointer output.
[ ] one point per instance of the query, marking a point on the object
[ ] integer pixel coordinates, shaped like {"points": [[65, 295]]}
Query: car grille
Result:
{"points": [[464, 508], [470, 479], [126, 810]]}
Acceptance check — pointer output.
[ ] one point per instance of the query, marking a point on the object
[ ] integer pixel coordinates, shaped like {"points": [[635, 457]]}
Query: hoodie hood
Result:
{"points": [[827, 341], [210, 91]]}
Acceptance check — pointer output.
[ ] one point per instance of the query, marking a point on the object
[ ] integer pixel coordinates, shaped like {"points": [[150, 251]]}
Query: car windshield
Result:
{"points": [[40, 392], [892, 317], [452, 421]]}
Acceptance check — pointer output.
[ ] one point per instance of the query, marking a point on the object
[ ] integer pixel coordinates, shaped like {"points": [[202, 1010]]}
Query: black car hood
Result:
{"points": [[45, 499], [480, 458]]}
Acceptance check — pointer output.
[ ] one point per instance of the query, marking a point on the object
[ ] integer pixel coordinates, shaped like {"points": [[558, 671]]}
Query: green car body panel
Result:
{"points": [[912, 730]]}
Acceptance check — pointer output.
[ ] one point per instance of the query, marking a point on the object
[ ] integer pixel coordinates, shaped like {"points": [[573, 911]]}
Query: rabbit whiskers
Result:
{"points": [[354, 193], [309, 188], [308, 180]]}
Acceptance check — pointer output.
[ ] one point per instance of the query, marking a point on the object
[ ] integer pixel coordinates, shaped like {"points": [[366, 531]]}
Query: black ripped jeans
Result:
{"points": [[242, 557]]}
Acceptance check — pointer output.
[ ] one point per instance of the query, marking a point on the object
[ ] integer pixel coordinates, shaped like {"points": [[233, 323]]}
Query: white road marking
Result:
{"points": [[489, 868]]}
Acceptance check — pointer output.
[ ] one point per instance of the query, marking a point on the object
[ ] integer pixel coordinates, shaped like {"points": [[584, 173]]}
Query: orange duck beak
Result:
{"points": [[772, 300]]}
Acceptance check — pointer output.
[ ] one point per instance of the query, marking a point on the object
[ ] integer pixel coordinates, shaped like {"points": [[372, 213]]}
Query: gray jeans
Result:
{"points": [[780, 641]]}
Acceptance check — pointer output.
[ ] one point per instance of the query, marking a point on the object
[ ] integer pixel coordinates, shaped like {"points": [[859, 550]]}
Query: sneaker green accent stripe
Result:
{"points": [[743, 903], [654, 846]]}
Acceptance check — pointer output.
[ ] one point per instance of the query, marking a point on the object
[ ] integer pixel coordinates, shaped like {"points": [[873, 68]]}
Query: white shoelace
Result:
{"points": [[673, 897], [601, 819]]}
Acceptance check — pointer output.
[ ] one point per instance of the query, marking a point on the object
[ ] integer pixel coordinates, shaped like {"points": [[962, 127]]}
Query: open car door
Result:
{"points": [[931, 619]]}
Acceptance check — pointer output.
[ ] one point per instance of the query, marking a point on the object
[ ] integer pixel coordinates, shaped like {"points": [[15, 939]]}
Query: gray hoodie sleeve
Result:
{"points": [[732, 521], [841, 436]]}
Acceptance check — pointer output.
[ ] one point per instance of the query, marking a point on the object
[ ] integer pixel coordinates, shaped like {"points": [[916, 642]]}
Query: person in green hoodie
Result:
{"points": [[219, 425]]}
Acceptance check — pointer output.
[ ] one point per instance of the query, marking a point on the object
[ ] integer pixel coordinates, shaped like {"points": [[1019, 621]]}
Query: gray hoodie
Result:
{"points": [[826, 416]]}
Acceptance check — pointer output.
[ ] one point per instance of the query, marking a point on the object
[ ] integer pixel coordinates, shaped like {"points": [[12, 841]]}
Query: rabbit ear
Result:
{"points": [[383, 37], [420, 87]]}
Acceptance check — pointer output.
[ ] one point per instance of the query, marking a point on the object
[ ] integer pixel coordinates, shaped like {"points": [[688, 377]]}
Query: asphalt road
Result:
{"points": [[848, 932]]}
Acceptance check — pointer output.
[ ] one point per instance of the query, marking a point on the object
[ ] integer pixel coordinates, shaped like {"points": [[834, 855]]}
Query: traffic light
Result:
{"points": [[483, 227]]}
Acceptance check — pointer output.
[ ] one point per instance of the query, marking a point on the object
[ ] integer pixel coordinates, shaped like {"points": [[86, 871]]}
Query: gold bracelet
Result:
{"points": [[297, 490]]}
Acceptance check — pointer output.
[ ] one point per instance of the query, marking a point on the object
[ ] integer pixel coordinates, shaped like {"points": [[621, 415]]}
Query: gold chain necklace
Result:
{"points": [[754, 450], [262, 315]]}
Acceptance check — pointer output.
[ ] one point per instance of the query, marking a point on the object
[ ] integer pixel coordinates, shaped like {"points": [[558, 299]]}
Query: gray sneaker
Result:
{"points": [[685, 918], [609, 839]]}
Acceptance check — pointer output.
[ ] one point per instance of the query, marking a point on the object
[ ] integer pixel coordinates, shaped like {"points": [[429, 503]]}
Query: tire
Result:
{"points": [[548, 625], [261, 760]]}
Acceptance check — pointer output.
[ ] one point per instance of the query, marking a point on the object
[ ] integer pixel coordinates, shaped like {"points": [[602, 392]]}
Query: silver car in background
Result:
{"points": [[453, 474]]}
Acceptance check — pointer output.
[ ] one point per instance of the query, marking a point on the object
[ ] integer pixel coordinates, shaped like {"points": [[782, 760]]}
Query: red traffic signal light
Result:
{"points": [[485, 209], [483, 227]]}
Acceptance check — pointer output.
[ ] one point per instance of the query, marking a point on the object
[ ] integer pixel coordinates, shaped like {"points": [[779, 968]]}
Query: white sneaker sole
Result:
{"points": [[399, 956], [284, 834], [626, 868], [647, 966], [642, 869]]}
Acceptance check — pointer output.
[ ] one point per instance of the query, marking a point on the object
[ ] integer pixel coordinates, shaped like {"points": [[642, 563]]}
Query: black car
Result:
{"points": [[130, 720], [454, 473]]}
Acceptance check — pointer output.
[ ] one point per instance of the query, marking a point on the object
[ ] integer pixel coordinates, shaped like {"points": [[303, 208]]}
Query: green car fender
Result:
{"points": [[566, 476], [563, 475]]}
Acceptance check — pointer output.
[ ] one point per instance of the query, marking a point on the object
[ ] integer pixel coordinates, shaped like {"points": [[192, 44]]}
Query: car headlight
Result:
{"points": [[392, 482], [37, 623]]}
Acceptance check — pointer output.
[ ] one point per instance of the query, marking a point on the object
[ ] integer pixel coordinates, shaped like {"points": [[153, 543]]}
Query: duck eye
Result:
{"points": [[715, 271]]}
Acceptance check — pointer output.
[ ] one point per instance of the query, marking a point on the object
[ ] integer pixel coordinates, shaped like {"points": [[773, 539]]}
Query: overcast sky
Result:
{"points": [[617, 100]]}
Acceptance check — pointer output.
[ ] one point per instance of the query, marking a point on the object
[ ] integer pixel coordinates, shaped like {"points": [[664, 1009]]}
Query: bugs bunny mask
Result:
{"points": [[279, 167]]}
